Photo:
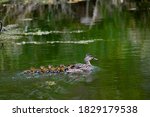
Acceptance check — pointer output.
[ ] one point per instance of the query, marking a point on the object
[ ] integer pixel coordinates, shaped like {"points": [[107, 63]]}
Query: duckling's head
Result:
{"points": [[42, 67], [49, 66], [32, 69], [88, 58], [61, 66]]}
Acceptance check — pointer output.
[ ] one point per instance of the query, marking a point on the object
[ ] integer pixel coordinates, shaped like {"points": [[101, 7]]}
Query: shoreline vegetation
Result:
{"points": [[23, 9], [128, 4]]}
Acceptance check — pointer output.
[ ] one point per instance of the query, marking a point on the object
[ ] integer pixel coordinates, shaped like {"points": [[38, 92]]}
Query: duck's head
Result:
{"points": [[88, 58]]}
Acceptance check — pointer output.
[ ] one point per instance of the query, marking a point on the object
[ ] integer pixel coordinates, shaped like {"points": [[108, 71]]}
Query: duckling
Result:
{"points": [[49, 68], [34, 70], [26, 71], [52, 69], [57, 69], [62, 68], [30, 71], [70, 67], [43, 69]]}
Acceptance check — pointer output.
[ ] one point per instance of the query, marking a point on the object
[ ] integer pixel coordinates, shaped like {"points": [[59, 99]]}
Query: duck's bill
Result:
{"points": [[95, 58]]}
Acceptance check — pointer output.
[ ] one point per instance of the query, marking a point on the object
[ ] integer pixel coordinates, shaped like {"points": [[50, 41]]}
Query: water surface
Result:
{"points": [[120, 42]]}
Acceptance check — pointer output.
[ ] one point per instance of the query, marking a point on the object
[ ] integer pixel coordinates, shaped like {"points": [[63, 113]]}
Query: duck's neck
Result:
{"points": [[88, 62]]}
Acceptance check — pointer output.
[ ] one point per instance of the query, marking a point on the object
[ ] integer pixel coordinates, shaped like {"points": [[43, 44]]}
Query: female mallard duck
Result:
{"points": [[80, 68]]}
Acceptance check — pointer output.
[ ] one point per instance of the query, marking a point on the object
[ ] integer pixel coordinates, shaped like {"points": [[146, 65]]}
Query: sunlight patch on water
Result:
{"points": [[60, 42]]}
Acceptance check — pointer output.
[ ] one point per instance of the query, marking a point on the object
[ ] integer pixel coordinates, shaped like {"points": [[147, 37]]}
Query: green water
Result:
{"points": [[122, 47]]}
